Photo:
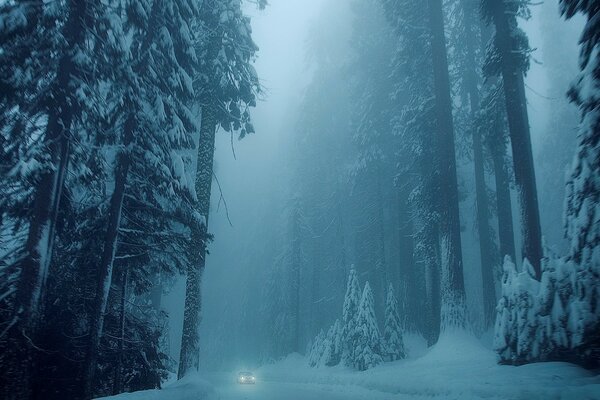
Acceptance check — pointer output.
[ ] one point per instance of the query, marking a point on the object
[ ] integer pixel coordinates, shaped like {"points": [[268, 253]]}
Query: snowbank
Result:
{"points": [[457, 367], [192, 387]]}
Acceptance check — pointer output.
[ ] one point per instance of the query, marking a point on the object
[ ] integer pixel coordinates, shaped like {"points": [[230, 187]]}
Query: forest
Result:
{"points": [[403, 197]]}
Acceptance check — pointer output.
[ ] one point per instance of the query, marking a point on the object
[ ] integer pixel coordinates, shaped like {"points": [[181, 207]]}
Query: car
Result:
{"points": [[246, 378]]}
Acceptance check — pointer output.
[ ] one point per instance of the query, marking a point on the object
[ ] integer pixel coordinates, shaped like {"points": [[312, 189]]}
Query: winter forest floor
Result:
{"points": [[458, 367]]}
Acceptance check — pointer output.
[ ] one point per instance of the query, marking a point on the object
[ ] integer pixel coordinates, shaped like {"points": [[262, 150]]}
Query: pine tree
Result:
{"points": [[392, 333], [583, 186], [470, 65], [450, 237], [48, 73], [352, 301], [415, 129], [226, 88], [366, 340], [156, 125]]}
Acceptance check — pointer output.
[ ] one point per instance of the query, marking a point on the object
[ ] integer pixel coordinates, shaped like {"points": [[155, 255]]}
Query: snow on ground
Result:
{"points": [[458, 367], [192, 387]]}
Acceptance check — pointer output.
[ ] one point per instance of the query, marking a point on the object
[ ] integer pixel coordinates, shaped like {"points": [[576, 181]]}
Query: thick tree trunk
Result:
{"points": [[518, 122], [503, 204], [487, 258], [105, 266], [189, 358], [448, 181], [432, 284], [381, 279], [407, 281]]}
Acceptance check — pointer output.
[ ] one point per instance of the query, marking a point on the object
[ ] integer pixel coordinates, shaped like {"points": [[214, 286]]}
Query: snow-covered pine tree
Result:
{"points": [[317, 349], [49, 66], [226, 86], [392, 331], [583, 187], [517, 331], [334, 338], [352, 301], [416, 130], [366, 339], [155, 126]]}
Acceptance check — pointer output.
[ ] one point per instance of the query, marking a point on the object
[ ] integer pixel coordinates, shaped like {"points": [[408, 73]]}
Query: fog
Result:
{"points": [[255, 177], [402, 201]]}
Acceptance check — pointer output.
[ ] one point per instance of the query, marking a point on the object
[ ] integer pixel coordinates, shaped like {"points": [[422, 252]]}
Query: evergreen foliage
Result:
{"points": [[392, 332]]}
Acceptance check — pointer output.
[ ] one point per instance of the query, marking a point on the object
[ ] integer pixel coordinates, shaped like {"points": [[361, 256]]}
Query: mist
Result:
{"points": [[299, 199]]}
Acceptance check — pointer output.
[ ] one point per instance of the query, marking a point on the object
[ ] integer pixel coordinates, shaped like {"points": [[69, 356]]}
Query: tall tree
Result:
{"points": [[60, 105], [226, 87], [450, 238], [471, 82], [149, 139], [509, 57]]}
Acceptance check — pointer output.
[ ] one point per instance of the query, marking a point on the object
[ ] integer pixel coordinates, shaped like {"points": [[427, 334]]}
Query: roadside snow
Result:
{"points": [[192, 387], [458, 367]]}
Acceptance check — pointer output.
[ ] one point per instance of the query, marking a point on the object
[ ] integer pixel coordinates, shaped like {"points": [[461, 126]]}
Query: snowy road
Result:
{"points": [[278, 390]]}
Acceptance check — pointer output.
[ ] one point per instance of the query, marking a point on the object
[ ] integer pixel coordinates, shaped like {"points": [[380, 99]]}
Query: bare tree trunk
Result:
{"points": [[448, 181], [189, 358], [518, 122]]}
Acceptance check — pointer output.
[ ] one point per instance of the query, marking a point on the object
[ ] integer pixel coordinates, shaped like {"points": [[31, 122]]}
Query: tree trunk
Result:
{"points": [[487, 258], [448, 181], [118, 377], [504, 205], [408, 281], [518, 122], [432, 284], [105, 267], [189, 358], [381, 278], [296, 276]]}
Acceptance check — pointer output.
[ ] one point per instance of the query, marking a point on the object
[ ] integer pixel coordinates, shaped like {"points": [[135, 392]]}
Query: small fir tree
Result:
{"points": [[392, 333], [349, 317], [367, 344]]}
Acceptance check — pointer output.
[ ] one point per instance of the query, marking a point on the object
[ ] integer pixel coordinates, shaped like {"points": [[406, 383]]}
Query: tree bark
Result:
{"points": [[432, 284], [189, 358], [408, 281], [503, 205], [448, 181], [118, 377], [518, 122]]}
